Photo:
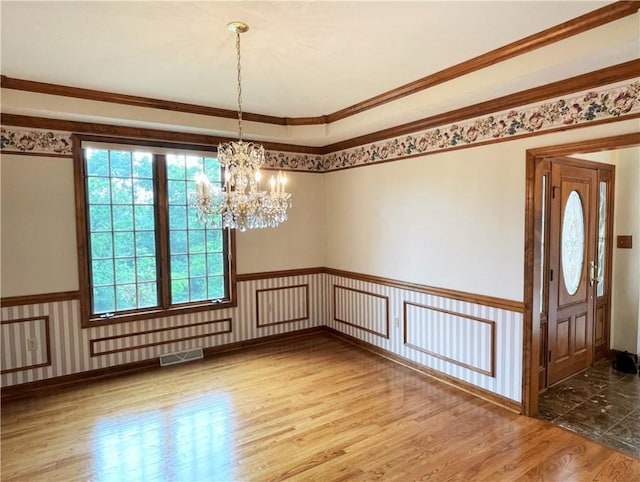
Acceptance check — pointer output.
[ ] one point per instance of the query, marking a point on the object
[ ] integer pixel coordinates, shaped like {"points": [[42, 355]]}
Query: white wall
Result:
{"points": [[38, 253], [297, 243], [451, 220], [625, 311], [39, 256]]}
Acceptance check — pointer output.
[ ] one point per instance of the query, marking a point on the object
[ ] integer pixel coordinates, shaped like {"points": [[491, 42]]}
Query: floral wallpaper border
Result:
{"points": [[35, 141], [582, 108]]}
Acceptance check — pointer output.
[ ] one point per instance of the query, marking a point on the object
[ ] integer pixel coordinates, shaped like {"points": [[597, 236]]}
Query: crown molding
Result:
{"points": [[588, 21], [612, 103], [609, 75], [133, 100], [583, 23]]}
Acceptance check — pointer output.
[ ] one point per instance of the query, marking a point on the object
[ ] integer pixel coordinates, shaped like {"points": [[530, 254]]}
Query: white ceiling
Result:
{"points": [[298, 59]]}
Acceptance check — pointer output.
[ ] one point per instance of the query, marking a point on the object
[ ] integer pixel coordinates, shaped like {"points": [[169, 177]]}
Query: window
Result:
{"points": [[602, 236], [142, 251]]}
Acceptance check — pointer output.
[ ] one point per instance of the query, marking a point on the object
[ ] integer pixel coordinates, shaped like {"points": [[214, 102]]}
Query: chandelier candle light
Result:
{"points": [[240, 202]]}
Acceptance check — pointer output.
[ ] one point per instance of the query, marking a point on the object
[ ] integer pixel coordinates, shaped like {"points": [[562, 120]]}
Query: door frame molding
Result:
{"points": [[532, 254]]}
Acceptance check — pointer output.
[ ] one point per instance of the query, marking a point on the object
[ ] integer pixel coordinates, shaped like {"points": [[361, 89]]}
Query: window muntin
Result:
{"points": [[122, 237], [602, 236], [543, 234], [572, 247], [145, 252], [196, 252]]}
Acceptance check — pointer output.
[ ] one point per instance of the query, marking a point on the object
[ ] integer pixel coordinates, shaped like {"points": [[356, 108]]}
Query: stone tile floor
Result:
{"points": [[600, 403]]}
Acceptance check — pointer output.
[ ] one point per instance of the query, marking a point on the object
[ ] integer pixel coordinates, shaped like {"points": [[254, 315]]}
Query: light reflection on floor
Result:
{"points": [[190, 441]]}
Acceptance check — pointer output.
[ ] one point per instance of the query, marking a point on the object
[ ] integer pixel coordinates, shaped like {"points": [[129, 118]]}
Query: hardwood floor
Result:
{"points": [[312, 408]]}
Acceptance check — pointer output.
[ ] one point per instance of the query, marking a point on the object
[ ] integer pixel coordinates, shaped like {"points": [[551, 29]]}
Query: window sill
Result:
{"points": [[151, 313]]}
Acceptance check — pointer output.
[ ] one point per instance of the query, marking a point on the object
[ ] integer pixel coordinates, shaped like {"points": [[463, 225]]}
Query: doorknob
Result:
{"points": [[594, 278]]}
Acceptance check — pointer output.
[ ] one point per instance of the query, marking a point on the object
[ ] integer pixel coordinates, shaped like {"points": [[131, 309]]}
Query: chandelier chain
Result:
{"points": [[239, 87], [234, 200]]}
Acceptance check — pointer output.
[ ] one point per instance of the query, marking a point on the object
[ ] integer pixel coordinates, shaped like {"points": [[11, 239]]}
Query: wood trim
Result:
{"points": [[613, 353], [441, 377], [157, 312], [583, 23], [497, 141], [305, 317], [531, 257], [94, 353], [601, 16], [610, 178], [609, 75], [59, 384], [384, 335], [18, 121], [134, 100], [47, 343], [84, 276], [484, 300], [307, 121], [160, 190], [37, 154], [492, 324], [279, 274], [39, 299], [119, 141], [82, 247], [600, 77], [592, 145], [112, 130], [531, 335]]}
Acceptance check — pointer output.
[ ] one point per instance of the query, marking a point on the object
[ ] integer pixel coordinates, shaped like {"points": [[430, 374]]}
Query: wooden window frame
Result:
{"points": [[165, 307]]}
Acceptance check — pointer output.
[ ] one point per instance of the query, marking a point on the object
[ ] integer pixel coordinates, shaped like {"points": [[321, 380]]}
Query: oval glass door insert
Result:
{"points": [[572, 250]]}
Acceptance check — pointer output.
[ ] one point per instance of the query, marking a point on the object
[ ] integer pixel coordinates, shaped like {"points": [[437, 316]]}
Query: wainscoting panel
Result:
{"points": [[462, 346], [471, 341], [285, 304], [161, 336], [71, 345], [450, 336], [361, 309], [25, 344]]}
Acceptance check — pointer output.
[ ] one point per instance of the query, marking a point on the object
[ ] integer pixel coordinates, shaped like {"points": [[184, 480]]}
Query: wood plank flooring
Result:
{"points": [[311, 408]]}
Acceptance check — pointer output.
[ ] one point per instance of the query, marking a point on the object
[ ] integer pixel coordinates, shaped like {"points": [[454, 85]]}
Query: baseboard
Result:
{"points": [[494, 398], [58, 384], [613, 353]]}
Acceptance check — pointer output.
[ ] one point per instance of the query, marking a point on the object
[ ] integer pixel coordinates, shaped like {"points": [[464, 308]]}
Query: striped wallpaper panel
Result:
{"points": [[361, 309], [71, 344], [455, 336], [284, 304], [462, 337], [469, 342], [25, 344]]}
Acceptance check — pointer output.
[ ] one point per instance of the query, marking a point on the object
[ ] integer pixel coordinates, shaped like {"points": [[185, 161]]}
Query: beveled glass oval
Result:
{"points": [[572, 244]]}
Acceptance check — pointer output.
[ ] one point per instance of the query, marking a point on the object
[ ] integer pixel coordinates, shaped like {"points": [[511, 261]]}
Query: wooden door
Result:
{"points": [[572, 258]]}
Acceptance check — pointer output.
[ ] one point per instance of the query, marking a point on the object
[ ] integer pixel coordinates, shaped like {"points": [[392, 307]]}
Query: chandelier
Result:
{"points": [[240, 202]]}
